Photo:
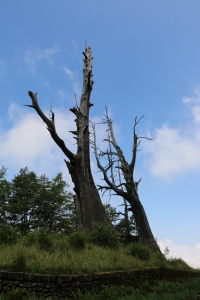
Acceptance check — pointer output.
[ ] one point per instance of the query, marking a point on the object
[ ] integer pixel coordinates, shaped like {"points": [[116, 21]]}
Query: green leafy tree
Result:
{"points": [[21, 200], [5, 189], [121, 226], [30, 202], [119, 221], [54, 208], [112, 213]]}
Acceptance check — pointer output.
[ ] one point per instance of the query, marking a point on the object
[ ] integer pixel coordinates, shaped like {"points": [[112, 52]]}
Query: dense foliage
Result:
{"points": [[30, 202], [140, 251]]}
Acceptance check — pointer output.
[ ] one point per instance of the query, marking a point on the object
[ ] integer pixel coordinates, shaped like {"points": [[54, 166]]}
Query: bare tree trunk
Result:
{"points": [[89, 208]]}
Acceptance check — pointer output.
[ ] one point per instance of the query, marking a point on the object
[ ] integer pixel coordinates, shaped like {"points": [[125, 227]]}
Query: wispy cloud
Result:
{"points": [[74, 44], [187, 100], [61, 94], [191, 255], [68, 72], [176, 149], [75, 82], [34, 54]]}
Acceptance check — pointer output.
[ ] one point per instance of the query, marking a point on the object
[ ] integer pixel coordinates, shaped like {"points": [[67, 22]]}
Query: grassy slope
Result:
{"points": [[61, 258], [57, 255]]}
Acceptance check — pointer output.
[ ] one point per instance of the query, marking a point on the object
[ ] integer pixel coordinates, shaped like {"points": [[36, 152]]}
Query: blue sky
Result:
{"points": [[146, 61]]}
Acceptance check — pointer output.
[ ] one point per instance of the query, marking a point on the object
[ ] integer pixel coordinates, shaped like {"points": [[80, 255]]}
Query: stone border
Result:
{"points": [[67, 285]]}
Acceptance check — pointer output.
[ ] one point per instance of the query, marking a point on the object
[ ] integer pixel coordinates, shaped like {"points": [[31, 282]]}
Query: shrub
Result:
{"points": [[77, 240], [140, 251], [7, 235], [105, 236]]}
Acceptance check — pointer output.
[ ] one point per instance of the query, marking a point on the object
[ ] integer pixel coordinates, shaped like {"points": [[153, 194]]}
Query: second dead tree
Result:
{"points": [[128, 189], [89, 208]]}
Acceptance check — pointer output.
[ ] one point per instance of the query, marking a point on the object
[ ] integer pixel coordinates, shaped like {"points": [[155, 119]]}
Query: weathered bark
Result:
{"points": [[126, 218], [129, 190], [89, 208], [127, 225]]}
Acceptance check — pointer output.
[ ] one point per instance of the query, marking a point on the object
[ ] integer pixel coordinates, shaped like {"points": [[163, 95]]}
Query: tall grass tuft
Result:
{"points": [[140, 251], [105, 236], [77, 240]]}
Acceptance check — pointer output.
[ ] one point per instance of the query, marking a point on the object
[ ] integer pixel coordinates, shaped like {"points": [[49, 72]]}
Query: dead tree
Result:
{"points": [[126, 218], [130, 187], [113, 178], [89, 209]]}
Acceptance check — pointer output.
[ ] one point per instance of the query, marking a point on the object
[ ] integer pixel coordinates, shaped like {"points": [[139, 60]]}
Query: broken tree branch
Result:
{"points": [[50, 125]]}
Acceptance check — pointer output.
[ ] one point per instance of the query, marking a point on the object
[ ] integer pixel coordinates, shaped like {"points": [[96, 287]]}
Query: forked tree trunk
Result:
{"points": [[89, 208], [129, 190]]}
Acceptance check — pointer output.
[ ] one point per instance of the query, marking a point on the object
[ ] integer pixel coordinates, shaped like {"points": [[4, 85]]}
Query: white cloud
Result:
{"points": [[176, 150], [28, 142], [196, 113], [33, 55], [191, 255], [14, 111], [173, 152]]}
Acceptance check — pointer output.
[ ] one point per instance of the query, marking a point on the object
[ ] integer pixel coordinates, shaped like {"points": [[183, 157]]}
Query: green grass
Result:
{"points": [[183, 290], [62, 255]]}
